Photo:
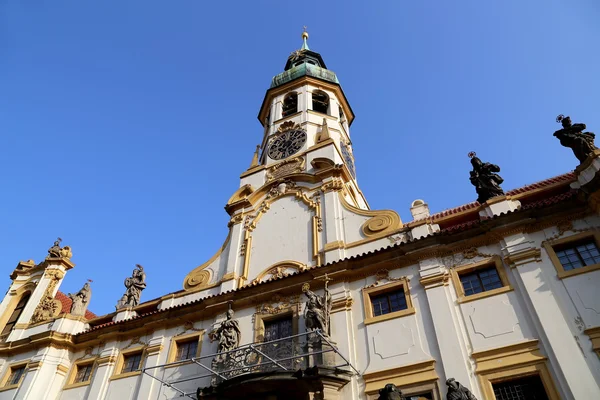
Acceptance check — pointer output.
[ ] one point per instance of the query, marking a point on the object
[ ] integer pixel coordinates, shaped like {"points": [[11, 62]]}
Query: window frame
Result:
{"points": [[278, 312], [75, 368], [285, 97], [9, 370], [176, 341], [494, 261], [368, 292], [118, 370], [410, 379], [24, 290], [312, 103], [550, 250]]}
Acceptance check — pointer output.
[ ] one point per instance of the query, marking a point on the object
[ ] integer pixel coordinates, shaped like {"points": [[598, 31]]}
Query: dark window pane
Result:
{"points": [[186, 350], [278, 328], [84, 373], [12, 320], [578, 255], [386, 303], [480, 280], [15, 375], [526, 388], [131, 362]]}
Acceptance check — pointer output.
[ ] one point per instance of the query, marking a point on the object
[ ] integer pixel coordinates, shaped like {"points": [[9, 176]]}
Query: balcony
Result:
{"points": [[296, 363]]}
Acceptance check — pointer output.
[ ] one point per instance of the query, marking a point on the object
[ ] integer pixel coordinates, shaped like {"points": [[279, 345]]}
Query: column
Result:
{"points": [[447, 325], [565, 356], [148, 383]]}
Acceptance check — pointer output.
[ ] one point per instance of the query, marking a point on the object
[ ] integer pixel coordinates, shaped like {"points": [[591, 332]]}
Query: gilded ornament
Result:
{"points": [[284, 168], [59, 252], [49, 307]]}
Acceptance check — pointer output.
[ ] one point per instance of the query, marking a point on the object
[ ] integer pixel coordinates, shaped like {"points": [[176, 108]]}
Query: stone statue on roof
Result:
{"points": [[81, 300], [390, 392], [572, 135], [59, 252], [485, 179], [456, 391], [134, 286]]}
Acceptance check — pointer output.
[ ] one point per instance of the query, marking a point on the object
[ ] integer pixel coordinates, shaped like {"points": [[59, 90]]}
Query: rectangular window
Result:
{"points": [[131, 362], [186, 349], [526, 388], [389, 302], [15, 375], [578, 255], [480, 280], [278, 328], [84, 373], [421, 396]]}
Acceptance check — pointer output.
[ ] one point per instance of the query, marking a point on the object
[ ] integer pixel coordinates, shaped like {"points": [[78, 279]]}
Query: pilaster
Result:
{"points": [[148, 384], [333, 246], [105, 366], [565, 356], [449, 330]]}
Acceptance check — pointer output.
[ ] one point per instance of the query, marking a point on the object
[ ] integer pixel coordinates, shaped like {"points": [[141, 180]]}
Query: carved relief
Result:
{"points": [[280, 270], [48, 307], [284, 168], [277, 305], [381, 276]]}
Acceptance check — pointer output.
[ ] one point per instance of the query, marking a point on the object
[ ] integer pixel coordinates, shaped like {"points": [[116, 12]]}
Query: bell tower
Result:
{"points": [[298, 205], [306, 114]]}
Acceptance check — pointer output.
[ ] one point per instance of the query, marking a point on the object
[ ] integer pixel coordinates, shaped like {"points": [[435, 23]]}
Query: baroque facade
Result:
{"points": [[313, 295]]}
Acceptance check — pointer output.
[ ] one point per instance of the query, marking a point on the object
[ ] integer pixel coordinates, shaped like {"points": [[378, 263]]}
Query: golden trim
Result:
{"points": [[594, 334], [229, 277], [154, 349], [529, 255], [117, 374], [388, 287], [495, 261], [175, 340], [34, 365], [338, 244], [588, 161], [510, 362], [343, 304], [560, 271], [17, 295], [9, 370], [69, 382], [432, 281], [266, 312], [381, 224], [406, 375], [61, 368], [198, 278], [277, 269], [106, 360]]}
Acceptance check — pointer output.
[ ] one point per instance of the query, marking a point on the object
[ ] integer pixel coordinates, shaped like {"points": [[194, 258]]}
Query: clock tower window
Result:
{"points": [[290, 104], [320, 102]]}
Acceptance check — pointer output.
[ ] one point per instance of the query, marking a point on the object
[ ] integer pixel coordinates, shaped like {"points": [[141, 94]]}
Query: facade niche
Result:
{"points": [[320, 102], [290, 104]]}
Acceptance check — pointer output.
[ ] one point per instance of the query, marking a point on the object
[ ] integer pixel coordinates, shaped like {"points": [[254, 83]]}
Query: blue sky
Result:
{"points": [[125, 125]]}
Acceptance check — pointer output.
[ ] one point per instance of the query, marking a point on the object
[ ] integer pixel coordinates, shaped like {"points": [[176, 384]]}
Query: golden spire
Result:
{"points": [[304, 39], [304, 34], [254, 162]]}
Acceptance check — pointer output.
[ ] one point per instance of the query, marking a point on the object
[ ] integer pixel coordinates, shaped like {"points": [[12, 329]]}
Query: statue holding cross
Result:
{"points": [[318, 309]]}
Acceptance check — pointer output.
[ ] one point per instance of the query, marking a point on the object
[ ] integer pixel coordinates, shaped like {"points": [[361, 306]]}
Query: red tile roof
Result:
{"points": [[66, 305]]}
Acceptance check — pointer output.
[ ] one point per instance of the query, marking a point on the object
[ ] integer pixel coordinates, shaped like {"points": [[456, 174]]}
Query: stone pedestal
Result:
{"points": [[587, 175], [498, 205], [123, 314]]}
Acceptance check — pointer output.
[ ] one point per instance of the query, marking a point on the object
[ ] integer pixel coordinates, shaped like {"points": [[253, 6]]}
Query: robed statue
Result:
{"points": [[134, 286], [572, 135], [229, 335], [390, 392], [80, 300], [59, 252], [456, 391], [485, 179], [317, 310]]}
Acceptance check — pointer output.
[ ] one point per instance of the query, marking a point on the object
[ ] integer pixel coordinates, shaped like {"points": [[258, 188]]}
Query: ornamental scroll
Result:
{"points": [[49, 307]]}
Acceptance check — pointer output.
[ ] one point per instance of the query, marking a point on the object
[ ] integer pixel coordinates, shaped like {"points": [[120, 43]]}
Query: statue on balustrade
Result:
{"points": [[390, 392], [317, 310], [80, 300], [485, 179], [134, 286], [228, 334], [572, 135], [456, 391]]}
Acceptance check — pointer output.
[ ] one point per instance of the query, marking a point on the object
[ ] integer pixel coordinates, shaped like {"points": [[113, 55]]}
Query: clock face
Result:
{"points": [[286, 144], [348, 158]]}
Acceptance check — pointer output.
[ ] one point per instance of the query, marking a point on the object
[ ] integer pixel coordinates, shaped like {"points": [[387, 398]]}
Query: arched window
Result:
{"points": [[16, 314], [320, 102], [290, 104]]}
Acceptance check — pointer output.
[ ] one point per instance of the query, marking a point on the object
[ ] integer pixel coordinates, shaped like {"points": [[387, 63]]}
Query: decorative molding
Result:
{"points": [[432, 281], [154, 349], [384, 275], [338, 244], [407, 375], [286, 167], [343, 304], [106, 360], [523, 257], [277, 306], [49, 307], [278, 270], [199, 278], [594, 335], [62, 369], [34, 365]]}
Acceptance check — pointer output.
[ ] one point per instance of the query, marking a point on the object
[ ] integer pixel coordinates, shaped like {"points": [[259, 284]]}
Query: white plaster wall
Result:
{"points": [[283, 233], [583, 291]]}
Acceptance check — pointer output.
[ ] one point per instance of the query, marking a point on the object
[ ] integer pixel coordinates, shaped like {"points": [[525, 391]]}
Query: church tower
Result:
{"points": [[299, 204]]}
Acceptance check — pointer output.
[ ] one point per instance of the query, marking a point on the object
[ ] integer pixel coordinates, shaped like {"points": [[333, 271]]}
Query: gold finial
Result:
{"points": [[254, 162], [304, 34]]}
